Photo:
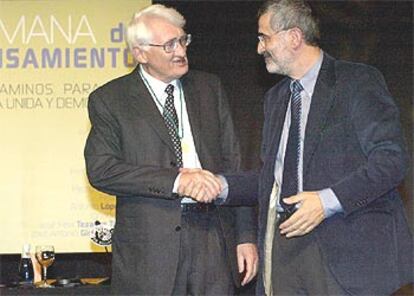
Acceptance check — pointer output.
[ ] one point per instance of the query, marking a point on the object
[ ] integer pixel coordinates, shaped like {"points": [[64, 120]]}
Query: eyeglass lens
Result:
{"points": [[172, 45]]}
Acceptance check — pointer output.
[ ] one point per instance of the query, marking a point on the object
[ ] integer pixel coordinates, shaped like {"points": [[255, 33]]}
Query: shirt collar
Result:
{"points": [[157, 85]]}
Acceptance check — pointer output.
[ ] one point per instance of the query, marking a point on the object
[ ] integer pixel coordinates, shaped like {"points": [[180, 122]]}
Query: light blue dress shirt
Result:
{"points": [[328, 198], [330, 202]]}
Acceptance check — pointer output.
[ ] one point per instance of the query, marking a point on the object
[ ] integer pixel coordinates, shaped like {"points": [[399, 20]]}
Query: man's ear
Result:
{"points": [[296, 37], [140, 55]]}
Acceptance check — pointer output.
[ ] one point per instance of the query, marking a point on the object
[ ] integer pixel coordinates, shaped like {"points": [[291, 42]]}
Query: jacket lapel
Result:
{"points": [[191, 97], [322, 102], [277, 119], [142, 102]]}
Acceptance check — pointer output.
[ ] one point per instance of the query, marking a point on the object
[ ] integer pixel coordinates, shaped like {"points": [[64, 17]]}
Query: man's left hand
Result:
{"points": [[247, 261], [309, 215]]}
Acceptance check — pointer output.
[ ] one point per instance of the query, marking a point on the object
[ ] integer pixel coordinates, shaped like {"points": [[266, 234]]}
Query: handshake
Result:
{"points": [[201, 185]]}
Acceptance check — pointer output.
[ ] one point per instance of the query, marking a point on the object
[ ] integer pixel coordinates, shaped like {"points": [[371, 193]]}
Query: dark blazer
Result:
{"points": [[129, 154], [354, 145]]}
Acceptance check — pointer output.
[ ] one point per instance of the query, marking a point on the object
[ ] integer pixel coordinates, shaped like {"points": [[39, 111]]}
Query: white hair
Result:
{"points": [[138, 33]]}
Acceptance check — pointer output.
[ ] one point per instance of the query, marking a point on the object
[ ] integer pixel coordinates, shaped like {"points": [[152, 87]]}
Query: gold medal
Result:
{"points": [[185, 146]]}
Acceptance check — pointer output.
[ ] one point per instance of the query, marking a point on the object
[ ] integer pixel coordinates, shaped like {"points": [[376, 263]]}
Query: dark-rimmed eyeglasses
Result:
{"points": [[171, 45]]}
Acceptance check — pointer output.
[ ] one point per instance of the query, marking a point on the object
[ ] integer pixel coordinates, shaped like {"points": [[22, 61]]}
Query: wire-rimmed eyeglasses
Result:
{"points": [[171, 45], [263, 38]]}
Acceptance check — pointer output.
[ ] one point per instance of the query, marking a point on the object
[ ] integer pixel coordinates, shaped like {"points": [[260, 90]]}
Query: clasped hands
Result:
{"points": [[204, 186], [201, 185]]}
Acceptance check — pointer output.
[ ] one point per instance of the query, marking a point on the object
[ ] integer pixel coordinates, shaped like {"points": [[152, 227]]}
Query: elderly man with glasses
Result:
{"points": [[146, 127]]}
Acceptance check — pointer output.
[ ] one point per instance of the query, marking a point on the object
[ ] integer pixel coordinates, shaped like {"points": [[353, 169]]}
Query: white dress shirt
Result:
{"points": [[158, 94]]}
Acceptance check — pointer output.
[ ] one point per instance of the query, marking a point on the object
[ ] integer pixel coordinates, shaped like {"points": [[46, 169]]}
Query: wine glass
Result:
{"points": [[45, 255]]}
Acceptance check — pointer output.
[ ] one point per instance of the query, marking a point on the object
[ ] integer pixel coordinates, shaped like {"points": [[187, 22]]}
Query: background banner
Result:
{"points": [[52, 55]]}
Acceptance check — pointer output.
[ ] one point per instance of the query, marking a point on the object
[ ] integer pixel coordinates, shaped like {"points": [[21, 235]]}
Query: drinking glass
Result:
{"points": [[45, 255]]}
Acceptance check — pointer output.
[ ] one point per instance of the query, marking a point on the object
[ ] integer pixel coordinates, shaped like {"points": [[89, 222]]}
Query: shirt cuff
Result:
{"points": [[176, 183], [330, 202], [222, 197]]}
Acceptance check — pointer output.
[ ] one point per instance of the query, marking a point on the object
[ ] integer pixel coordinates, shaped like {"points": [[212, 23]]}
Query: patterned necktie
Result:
{"points": [[171, 121], [290, 181]]}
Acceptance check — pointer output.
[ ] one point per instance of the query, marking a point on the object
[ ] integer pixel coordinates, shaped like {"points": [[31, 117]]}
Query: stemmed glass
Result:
{"points": [[45, 255]]}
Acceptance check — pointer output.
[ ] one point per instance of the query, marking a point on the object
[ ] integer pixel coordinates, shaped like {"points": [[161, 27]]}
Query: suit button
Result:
{"points": [[178, 228], [173, 164]]}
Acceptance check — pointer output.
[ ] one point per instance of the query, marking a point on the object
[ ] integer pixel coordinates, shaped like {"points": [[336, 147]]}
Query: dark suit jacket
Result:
{"points": [[129, 154], [354, 145]]}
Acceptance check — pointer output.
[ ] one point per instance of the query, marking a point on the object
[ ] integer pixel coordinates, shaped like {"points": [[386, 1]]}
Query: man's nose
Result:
{"points": [[181, 50], [260, 48]]}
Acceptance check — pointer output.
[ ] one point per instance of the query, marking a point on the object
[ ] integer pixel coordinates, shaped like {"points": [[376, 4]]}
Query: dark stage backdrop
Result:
{"points": [[379, 33]]}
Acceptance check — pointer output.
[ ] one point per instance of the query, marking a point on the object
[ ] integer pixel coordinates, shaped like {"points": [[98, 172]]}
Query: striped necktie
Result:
{"points": [[290, 182]]}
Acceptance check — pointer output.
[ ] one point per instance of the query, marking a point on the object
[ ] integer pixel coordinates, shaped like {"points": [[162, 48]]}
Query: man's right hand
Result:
{"points": [[199, 184]]}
